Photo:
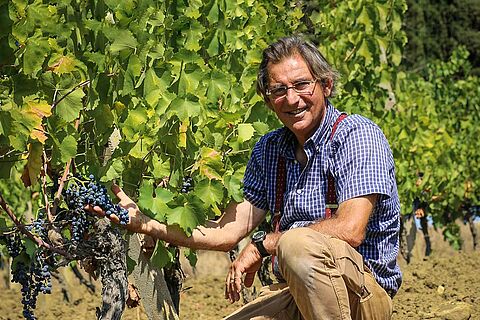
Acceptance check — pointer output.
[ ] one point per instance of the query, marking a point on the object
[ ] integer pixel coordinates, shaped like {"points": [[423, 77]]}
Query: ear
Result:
{"points": [[327, 87]]}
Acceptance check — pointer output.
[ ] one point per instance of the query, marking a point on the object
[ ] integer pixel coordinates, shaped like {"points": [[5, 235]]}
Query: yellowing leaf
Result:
{"points": [[34, 164], [40, 108], [39, 134], [210, 164], [64, 65], [182, 134]]}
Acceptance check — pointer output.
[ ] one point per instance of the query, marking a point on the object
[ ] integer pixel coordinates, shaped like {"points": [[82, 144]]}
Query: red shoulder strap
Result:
{"points": [[331, 203]]}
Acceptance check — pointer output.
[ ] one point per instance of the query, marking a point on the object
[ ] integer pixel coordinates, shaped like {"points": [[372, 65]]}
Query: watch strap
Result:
{"points": [[261, 248]]}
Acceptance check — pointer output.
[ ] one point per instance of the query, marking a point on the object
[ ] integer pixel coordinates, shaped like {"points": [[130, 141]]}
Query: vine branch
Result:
{"points": [[56, 200], [31, 236], [82, 84]]}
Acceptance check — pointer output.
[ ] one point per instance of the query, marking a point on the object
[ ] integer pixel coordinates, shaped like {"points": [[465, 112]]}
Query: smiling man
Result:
{"points": [[330, 181]]}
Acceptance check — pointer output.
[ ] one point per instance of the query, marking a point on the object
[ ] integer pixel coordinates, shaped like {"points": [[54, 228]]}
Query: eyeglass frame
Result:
{"points": [[269, 94]]}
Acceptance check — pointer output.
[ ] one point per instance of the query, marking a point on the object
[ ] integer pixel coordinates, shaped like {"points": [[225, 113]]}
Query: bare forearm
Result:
{"points": [[335, 227], [210, 237], [222, 235]]}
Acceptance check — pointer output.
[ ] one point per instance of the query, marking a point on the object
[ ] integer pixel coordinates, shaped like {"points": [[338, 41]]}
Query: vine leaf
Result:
{"points": [[210, 163], [68, 148], [184, 217], [122, 40], [134, 124], [210, 191], [161, 257], [30, 247], [114, 170], [154, 202], [245, 132], [34, 164], [70, 106]]}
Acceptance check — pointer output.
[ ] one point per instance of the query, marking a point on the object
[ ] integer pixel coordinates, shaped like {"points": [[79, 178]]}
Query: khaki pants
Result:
{"points": [[325, 279]]}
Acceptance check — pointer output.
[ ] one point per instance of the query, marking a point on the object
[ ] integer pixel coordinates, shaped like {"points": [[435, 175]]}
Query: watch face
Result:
{"points": [[259, 236]]}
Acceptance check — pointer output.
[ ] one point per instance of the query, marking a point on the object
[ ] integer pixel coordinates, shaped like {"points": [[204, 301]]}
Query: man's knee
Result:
{"points": [[298, 247], [300, 239]]}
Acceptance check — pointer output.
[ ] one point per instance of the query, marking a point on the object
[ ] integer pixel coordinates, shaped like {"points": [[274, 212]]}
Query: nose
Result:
{"points": [[292, 96]]}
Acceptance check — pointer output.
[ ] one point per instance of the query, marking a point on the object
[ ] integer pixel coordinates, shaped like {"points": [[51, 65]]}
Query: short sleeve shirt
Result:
{"points": [[361, 162]]}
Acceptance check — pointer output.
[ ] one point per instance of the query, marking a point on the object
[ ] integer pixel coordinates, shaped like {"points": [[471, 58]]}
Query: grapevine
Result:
{"points": [[86, 239]]}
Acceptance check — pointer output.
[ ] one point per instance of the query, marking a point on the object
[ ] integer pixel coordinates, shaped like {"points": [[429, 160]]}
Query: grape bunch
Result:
{"points": [[34, 277], [89, 192], [187, 185], [38, 227], [14, 244]]}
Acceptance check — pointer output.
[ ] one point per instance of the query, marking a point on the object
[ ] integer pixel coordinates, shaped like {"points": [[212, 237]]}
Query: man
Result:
{"points": [[342, 267]]}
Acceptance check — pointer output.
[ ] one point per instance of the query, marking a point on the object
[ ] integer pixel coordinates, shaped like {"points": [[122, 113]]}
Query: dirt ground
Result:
{"points": [[444, 286]]}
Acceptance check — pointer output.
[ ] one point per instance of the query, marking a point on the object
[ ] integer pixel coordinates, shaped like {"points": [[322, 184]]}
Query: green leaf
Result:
{"points": [[365, 52], [210, 191], [245, 132], [142, 147], [34, 163], [154, 87], [154, 205], [133, 71], [189, 81], [213, 14], [36, 51], [261, 127], [218, 85], [69, 108], [184, 108], [191, 256], [213, 47], [184, 217], [30, 247], [161, 169], [161, 257], [145, 198], [134, 124], [233, 183], [210, 163], [130, 264], [123, 40], [115, 170], [68, 148]]}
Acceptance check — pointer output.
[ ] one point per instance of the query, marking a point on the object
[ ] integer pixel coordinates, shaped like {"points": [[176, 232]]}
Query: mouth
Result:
{"points": [[297, 111]]}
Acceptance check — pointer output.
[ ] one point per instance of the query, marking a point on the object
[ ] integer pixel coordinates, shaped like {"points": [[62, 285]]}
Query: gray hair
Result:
{"points": [[287, 47]]}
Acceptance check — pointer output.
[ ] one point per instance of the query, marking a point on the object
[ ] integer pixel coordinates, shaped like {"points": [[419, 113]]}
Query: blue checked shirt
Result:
{"points": [[361, 162]]}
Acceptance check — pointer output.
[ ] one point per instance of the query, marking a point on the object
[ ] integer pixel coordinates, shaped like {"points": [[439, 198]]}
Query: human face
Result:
{"points": [[302, 113]]}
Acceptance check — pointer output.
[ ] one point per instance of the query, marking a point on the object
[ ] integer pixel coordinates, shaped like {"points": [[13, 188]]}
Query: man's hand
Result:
{"points": [[248, 262], [137, 218]]}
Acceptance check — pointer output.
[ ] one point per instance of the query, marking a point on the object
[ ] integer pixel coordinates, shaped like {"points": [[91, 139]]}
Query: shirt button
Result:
{"points": [[299, 191]]}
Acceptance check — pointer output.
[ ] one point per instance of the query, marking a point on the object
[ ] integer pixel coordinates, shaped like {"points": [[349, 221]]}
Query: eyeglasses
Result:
{"points": [[301, 87]]}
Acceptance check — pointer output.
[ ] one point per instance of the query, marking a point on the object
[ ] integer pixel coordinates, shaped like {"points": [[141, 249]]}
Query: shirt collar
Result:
{"points": [[322, 134]]}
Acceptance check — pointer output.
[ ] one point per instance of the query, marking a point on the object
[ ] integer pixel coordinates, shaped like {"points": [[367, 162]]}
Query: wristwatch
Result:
{"points": [[257, 240]]}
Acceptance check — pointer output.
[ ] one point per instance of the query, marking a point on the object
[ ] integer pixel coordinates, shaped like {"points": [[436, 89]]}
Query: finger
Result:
{"points": [[249, 278], [122, 196], [114, 218], [95, 209], [229, 289], [237, 283]]}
